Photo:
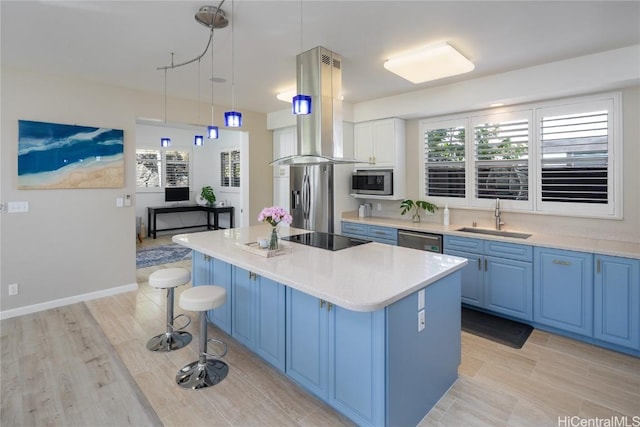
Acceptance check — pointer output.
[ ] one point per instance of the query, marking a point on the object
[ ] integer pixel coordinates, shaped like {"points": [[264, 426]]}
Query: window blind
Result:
{"points": [[574, 157], [177, 168], [444, 162], [501, 160]]}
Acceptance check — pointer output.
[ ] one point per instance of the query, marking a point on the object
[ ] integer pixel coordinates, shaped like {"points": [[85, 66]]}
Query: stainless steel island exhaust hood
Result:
{"points": [[319, 75]]}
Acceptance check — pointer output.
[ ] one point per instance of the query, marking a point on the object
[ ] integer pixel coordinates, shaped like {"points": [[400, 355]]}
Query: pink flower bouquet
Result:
{"points": [[274, 216]]}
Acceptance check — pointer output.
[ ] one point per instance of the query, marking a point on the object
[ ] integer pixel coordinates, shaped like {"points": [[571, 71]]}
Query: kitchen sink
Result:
{"points": [[495, 232]]}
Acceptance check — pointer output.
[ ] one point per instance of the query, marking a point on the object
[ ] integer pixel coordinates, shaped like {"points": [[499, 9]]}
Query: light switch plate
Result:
{"points": [[17, 207], [420, 299]]}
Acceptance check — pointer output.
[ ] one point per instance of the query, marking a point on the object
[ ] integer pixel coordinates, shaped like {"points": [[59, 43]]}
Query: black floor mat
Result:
{"points": [[503, 331]]}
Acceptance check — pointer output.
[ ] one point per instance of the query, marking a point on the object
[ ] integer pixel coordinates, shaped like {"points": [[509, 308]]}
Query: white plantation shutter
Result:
{"points": [[177, 168], [148, 168], [501, 157], [230, 169], [575, 157], [444, 159]]}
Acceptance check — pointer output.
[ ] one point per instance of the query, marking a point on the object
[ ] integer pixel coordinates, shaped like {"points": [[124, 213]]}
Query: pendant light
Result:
{"points": [[233, 118], [165, 141], [212, 130], [198, 140], [301, 104]]}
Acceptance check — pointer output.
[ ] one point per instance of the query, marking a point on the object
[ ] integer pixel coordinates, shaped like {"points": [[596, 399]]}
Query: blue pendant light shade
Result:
{"points": [[212, 132], [301, 104], [233, 119], [165, 142], [198, 140]]}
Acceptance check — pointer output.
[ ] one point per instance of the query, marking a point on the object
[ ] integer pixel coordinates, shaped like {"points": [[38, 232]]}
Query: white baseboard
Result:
{"points": [[7, 314]]}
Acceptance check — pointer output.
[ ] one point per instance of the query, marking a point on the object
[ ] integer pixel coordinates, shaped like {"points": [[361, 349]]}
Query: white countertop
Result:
{"points": [[362, 278], [582, 244]]}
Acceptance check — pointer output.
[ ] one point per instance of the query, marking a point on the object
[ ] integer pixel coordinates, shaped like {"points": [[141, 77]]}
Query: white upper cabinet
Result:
{"points": [[380, 143]]}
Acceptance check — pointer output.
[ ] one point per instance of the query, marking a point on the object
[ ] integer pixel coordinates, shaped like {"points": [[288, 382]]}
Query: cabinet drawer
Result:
{"points": [[508, 250], [384, 233], [354, 228], [463, 244]]}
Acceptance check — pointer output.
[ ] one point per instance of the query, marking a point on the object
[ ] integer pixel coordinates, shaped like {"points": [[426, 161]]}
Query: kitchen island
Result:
{"points": [[346, 324]]}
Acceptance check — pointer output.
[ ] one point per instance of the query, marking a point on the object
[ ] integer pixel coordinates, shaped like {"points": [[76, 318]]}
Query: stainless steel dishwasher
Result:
{"points": [[422, 241]]}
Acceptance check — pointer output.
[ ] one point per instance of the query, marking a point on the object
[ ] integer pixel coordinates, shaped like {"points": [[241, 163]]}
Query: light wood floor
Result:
{"points": [[550, 377]]}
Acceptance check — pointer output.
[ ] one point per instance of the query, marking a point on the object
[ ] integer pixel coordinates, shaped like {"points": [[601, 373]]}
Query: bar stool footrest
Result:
{"points": [[215, 355], [181, 328]]}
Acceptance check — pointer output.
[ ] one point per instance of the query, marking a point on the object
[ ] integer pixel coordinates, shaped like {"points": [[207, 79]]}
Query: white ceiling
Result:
{"points": [[123, 42]]}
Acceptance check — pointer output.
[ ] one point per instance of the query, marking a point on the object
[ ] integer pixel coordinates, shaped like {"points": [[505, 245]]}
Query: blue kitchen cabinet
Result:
{"points": [[212, 271], [498, 277], [563, 290], [258, 315], [472, 278], [617, 301], [338, 355], [376, 233]]}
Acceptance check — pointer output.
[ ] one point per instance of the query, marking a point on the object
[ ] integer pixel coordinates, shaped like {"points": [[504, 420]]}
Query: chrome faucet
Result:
{"points": [[497, 214]]}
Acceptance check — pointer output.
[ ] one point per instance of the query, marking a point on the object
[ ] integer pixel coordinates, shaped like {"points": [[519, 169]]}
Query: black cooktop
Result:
{"points": [[331, 242]]}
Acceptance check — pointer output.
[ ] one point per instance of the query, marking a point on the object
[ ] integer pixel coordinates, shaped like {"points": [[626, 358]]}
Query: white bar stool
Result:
{"points": [[173, 338], [203, 372]]}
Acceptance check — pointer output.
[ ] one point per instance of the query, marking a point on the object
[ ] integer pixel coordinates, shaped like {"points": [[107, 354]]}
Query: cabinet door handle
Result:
{"points": [[598, 267], [206, 257], [329, 305], [561, 262], [485, 264], [479, 264], [252, 275], [321, 303]]}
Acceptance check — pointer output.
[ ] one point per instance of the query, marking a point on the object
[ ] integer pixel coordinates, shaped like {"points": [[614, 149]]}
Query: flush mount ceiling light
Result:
{"points": [[286, 95], [431, 62]]}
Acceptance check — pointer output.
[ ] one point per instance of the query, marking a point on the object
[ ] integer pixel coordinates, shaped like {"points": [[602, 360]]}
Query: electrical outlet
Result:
{"points": [[421, 320], [127, 200], [13, 289], [420, 299], [379, 206]]}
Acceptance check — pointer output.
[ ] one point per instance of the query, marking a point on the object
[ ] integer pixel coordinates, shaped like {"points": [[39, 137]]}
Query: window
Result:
{"points": [[151, 174], [576, 157], [560, 157], [230, 169], [148, 168], [501, 151], [177, 167], [444, 159]]}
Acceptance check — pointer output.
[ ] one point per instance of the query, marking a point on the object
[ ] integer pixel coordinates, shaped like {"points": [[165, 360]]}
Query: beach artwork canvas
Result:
{"points": [[52, 155]]}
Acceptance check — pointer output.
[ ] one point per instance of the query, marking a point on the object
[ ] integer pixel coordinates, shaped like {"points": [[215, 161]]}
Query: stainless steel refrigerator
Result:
{"points": [[312, 197]]}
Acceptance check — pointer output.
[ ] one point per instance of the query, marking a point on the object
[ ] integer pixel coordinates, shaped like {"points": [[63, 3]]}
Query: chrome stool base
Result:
{"points": [[197, 375], [169, 341]]}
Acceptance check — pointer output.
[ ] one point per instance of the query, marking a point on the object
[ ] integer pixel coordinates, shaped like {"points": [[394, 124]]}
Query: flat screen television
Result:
{"points": [[176, 194]]}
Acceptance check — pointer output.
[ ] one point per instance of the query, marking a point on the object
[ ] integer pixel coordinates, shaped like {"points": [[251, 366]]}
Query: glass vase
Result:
{"points": [[273, 241], [416, 217]]}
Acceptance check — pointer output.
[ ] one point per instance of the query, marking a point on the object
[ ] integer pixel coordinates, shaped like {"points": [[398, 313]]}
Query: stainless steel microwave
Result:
{"points": [[377, 182]]}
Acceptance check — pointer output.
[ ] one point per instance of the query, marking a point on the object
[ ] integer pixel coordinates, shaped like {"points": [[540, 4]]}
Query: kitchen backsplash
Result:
{"points": [[607, 229]]}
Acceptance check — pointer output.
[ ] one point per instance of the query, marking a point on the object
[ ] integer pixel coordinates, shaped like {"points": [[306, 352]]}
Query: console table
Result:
{"points": [[154, 211]]}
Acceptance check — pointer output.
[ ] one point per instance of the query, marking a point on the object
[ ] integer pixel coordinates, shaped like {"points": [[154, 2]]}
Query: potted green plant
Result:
{"points": [[208, 195], [409, 204]]}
